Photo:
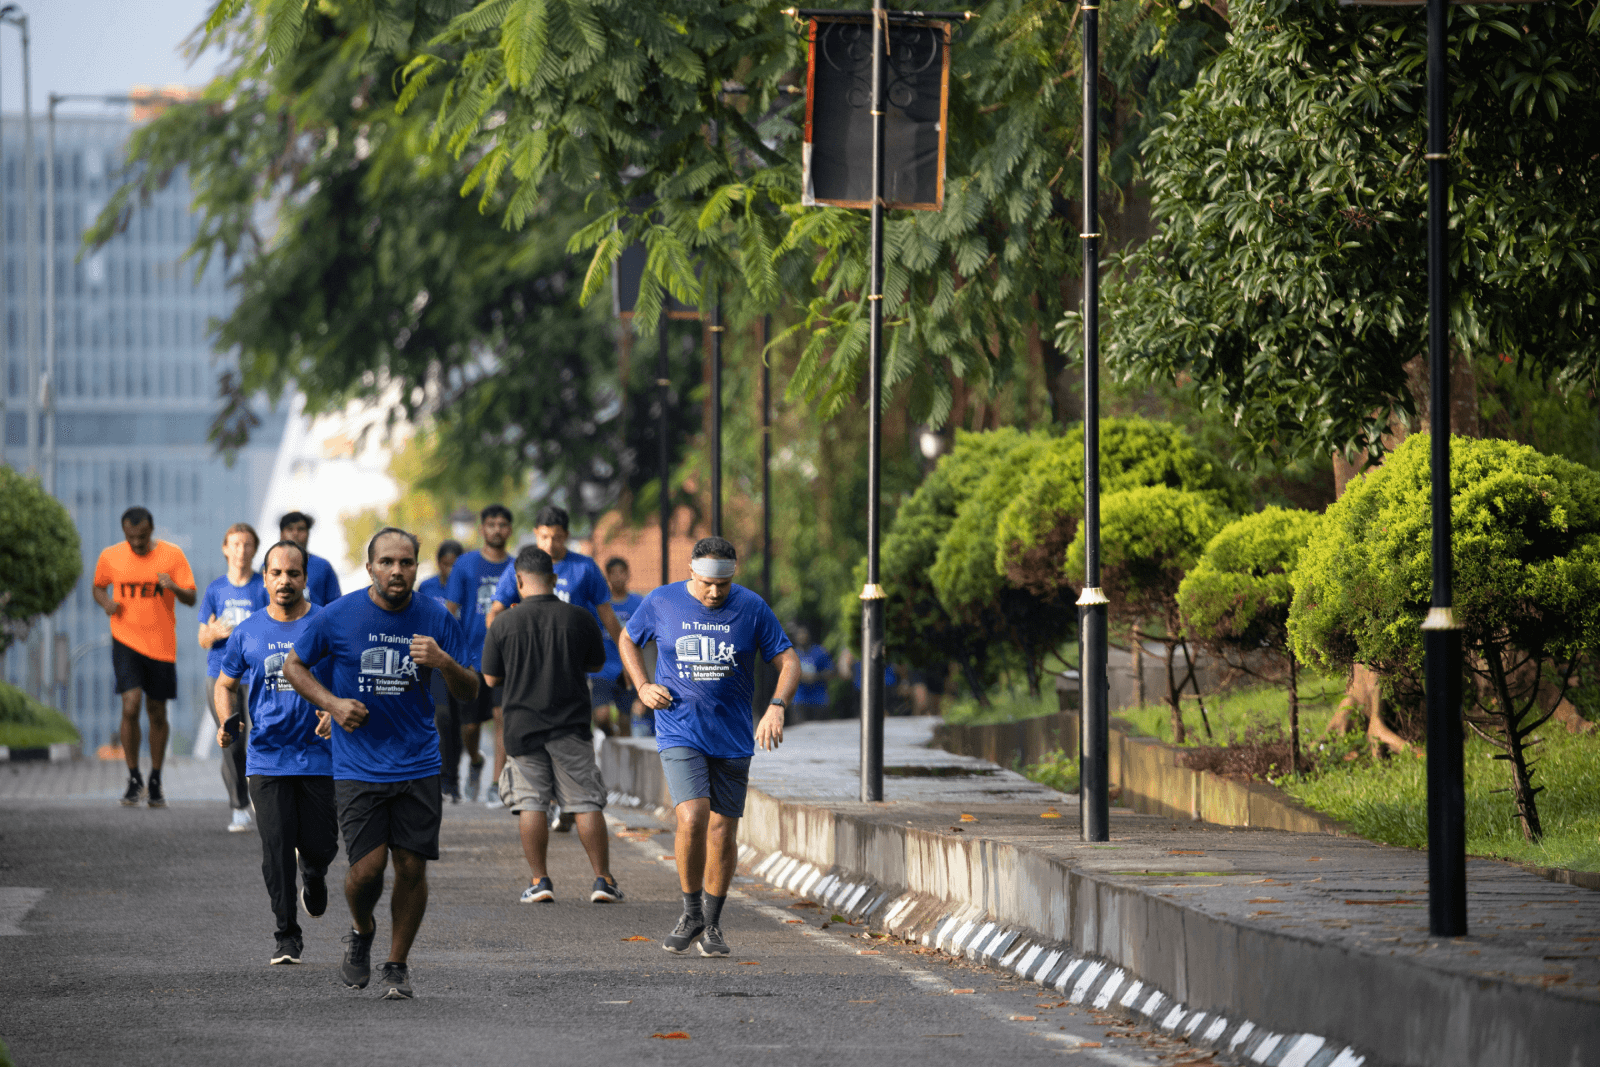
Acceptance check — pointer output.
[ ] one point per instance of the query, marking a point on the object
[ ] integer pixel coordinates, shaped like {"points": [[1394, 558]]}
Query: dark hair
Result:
{"points": [[296, 517], [449, 547], [618, 561], [416, 546], [305, 557], [534, 560], [138, 515], [496, 511], [714, 548], [550, 515]]}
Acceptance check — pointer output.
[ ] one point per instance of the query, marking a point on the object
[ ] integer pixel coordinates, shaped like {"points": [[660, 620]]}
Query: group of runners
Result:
{"points": [[345, 716]]}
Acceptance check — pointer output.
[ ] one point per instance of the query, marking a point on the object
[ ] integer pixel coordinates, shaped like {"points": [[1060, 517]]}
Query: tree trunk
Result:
{"points": [[1199, 698], [1178, 734], [1294, 716], [1138, 669], [1509, 720], [974, 682], [1033, 670]]}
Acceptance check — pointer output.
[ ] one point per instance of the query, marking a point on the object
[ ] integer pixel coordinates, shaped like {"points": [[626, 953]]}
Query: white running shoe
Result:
{"points": [[242, 822], [492, 791]]}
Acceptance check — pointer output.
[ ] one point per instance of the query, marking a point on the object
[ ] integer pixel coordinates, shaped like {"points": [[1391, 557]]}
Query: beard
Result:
{"points": [[394, 598]]}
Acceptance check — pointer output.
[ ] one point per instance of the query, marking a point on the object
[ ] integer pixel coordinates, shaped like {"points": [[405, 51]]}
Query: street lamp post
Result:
{"points": [[716, 415], [1093, 752], [664, 391], [30, 251]]}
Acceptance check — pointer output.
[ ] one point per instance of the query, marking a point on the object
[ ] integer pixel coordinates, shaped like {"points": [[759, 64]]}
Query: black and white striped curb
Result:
{"points": [[1102, 985], [61, 752]]}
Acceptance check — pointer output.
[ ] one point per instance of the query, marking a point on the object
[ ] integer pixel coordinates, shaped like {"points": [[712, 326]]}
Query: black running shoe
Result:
{"points": [[158, 799], [135, 791], [605, 891], [711, 942], [288, 950], [396, 984], [314, 895], [565, 822], [683, 934], [357, 968]]}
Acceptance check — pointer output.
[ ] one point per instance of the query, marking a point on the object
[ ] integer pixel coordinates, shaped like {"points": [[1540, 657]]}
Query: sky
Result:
{"points": [[102, 46]]}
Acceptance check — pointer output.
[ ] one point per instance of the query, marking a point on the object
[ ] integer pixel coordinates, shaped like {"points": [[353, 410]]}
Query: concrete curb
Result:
{"points": [[60, 752]]}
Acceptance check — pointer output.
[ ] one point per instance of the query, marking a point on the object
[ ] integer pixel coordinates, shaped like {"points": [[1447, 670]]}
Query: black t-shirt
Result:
{"points": [[542, 649]]}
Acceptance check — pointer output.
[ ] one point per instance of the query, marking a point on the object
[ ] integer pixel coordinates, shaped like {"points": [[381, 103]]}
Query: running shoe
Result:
{"points": [[605, 891], [711, 942], [540, 892], [241, 821], [288, 950], [565, 822], [135, 792], [357, 968], [157, 798], [396, 982], [474, 779], [314, 895], [683, 935], [492, 793]]}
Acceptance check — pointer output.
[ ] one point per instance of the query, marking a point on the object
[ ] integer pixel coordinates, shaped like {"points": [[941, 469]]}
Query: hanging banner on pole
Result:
{"points": [[627, 276], [836, 154]]}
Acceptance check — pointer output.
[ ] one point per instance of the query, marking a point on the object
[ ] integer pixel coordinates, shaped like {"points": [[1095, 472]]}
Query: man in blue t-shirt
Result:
{"points": [[322, 583], [708, 633], [289, 763], [445, 719], [226, 603], [468, 596], [811, 699], [609, 687], [384, 644], [578, 581]]}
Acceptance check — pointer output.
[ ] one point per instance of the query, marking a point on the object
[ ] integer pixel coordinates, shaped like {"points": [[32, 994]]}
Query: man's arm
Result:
{"points": [[453, 608], [651, 695], [494, 610], [347, 713], [461, 681], [103, 598], [184, 593], [222, 697], [596, 658], [769, 734], [608, 619]]}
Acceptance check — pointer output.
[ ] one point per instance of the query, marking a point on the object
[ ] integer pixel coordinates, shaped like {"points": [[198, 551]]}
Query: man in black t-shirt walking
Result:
{"points": [[541, 652]]}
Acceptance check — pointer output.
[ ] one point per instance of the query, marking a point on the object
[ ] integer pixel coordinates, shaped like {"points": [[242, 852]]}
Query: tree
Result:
{"points": [[1526, 585], [1288, 278], [1235, 601], [1150, 538], [39, 555]]}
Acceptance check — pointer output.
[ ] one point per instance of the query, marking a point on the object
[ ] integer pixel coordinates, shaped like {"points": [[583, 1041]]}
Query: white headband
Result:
{"points": [[706, 567]]}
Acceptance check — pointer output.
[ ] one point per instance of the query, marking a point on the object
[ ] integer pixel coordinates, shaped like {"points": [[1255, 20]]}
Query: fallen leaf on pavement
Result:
{"points": [[1051, 814], [1024, 1018], [636, 937], [963, 991], [1264, 900], [793, 921], [1185, 852], [1088, 1044], [676, 1035], [749, 963], [869, 952], [968, 818], [668, 856]]}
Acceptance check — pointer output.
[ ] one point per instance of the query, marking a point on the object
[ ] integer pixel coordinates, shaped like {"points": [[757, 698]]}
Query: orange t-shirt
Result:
{"points": [[148, 620]]}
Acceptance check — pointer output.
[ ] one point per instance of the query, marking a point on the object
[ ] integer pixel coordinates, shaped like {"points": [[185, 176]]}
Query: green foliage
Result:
{"points": [[1387, 800], [1287, 280], [1150, 538], [26, 723], [1237, 596], [1058, 770], [1039, 520], [1011, 707], [39, 554], [1238, 712]]}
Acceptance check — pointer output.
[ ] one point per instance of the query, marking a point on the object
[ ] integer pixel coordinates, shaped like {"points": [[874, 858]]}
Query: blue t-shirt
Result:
{"points": [[283, 724], [431, 587], [229, 603], [707, 661], [624, 610], [370, 649], [322, 584], [472, 585], [578, 581], [815, 658]]}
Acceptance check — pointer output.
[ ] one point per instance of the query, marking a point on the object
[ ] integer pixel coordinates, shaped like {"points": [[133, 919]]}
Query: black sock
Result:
{"points": [[134, 775], [713, 908], [691, 906], [155, 774]]}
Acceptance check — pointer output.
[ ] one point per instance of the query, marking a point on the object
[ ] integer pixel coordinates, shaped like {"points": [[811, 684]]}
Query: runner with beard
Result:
{"points": [[226, 603], [468, 596], [382, 646], [288, 757]]}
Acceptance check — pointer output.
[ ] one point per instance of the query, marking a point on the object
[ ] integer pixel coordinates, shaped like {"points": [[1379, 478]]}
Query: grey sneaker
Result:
{"points": [[711, 942], [288, 950], [474, 779], [357, 968], [135, 791], [683, 934], [395, 981], [605, 891]]}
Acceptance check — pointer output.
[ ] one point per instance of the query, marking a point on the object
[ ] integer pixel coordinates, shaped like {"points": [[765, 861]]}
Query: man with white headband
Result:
{"points": [[708, 633]]}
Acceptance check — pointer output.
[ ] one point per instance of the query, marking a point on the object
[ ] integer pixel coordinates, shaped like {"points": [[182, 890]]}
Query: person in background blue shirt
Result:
{"points": [[468, 596], [290, 764], [708, 633], [610, 686], [322, 583], [384, 644], [445, 718], [226, 603], [811, 699]]}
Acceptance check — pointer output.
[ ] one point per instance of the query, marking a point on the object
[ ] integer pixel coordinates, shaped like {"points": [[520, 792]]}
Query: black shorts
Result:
{"points": [[480, 708], [398, 814], [135, 670]]}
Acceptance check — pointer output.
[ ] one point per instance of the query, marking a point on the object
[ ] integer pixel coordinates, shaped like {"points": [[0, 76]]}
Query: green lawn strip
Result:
{"points": [[1057, 770], [1236, 710], [1386, 800], [26, 723]]}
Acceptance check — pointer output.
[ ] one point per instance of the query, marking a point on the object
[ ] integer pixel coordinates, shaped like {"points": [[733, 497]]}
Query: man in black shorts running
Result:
{"points": [[384, 646]]}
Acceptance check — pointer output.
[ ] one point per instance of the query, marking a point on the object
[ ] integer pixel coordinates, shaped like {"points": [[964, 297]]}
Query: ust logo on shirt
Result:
{"points": [[386, 671], [486, 594], [272, 668]]}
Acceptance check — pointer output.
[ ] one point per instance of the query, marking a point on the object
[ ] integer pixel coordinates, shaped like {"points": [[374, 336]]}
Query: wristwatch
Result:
{"points": [[776, 701]]}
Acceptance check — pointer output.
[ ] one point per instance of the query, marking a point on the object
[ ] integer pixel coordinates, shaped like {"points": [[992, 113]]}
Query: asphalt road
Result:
{"points": [[149, 945]]}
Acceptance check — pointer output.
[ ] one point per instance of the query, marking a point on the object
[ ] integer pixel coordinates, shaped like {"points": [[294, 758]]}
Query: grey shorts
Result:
{"points": [[564, 771], [692, 774]]}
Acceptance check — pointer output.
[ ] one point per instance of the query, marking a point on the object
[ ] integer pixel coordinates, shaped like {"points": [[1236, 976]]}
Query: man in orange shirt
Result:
{"points": [[136, 584]]}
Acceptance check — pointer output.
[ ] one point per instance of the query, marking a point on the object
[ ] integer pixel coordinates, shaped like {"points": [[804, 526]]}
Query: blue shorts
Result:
{"points": [[692, 775]]}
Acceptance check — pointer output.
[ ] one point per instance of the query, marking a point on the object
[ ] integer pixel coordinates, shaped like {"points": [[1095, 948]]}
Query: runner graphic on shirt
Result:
{"points": [[703, 658], [386, 670]]}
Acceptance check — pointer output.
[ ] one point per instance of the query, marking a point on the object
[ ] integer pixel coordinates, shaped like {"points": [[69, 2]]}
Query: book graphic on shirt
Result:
{"points": [[272, 668], [234, 614], [486, 593], [386, 671], [702, 658]]}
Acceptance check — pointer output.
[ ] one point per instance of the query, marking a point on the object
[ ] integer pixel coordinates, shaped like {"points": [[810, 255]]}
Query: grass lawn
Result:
{"points": [[1236, 710], [26, 723]]}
